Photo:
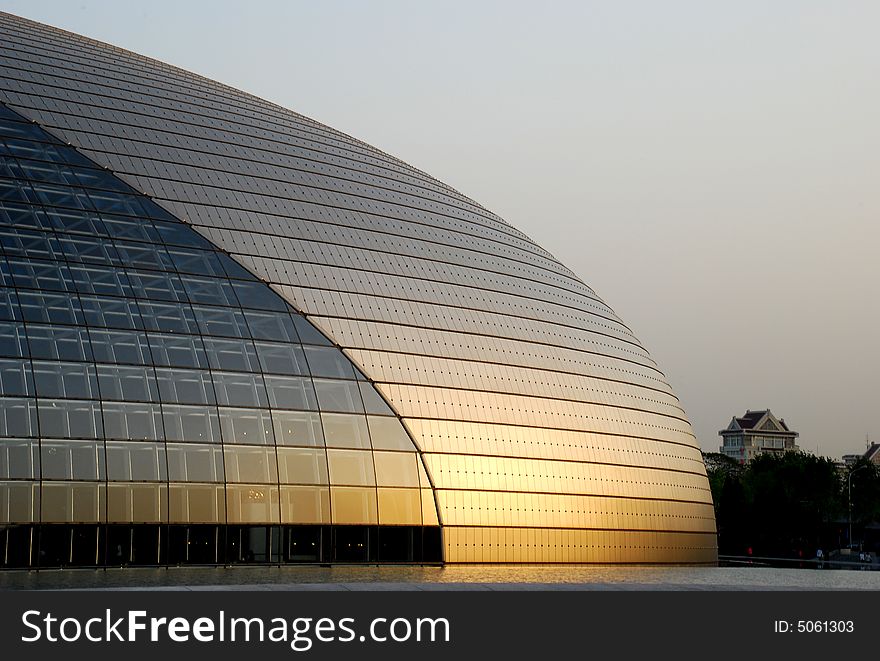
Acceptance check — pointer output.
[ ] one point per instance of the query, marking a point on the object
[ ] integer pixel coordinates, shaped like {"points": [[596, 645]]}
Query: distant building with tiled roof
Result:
{"points": [[872, 454], [757, 432]]}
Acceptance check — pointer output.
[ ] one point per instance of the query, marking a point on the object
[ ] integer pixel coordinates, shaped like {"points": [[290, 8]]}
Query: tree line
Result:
{"points": [[792, 504]]}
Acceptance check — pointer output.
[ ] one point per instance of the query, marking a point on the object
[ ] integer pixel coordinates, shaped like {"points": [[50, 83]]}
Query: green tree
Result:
{"points": [[731, 518], [793, 500], [779, 505], [865, 495]]}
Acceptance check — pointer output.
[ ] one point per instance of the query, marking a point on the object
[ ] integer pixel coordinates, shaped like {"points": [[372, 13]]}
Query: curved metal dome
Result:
{"points": [[548, 432]]}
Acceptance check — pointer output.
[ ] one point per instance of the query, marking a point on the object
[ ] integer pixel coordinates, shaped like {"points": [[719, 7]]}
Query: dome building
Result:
{"points": [[229, 333]]}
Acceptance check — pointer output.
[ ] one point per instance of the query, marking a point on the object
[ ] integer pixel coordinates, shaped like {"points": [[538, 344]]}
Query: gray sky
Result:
{"points": [[710, 168]]}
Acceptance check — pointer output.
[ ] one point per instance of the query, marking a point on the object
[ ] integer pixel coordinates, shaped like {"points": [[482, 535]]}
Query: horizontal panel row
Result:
{"points": [[561, 546], [387, 367], [73, 418], [533, 332], [82, 502], [159, 544], [478, 276], [411, 340], [144, 462], [476, 406], [453, 437], [450, 471], [403, 256], [242, 232], [529, 510], [286, 184], [381, 253]]}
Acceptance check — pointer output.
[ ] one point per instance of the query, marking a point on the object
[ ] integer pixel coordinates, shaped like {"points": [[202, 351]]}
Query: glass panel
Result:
{"points": [[250, 464], [329, 362], [297, 428], [136, 503], [74, 380], [56, 343], [119, 227], [225, 322], [71, 502], [351, 467], [354, 505], [19, 502], [50, 308], [232, 268], [38, 275], [72, 460], [423, 475], [74, 220], [246, 426], [429, 508], [180, 234], [69, 419], [388, 434], [136, 422], [18, 417], [302, 466], [97, 279], [136, 462], [210, 291], [13, 341], [196, 503], [400, 507], [192, 260], [156, 286], [396, 469], [19, 459], [281, 358], [193, 424], [88, 250], [114, 202], [178, 350], [308, 334], [109, 312], [305, 505], [291, 392], [231, 354], [271, 326], [133, 384], [125, 347], [185, 386], [194, 463], [373, 403], [342, 396], [258, 295], [240, 389], [15, 377], [345, 431], [168, 317], [8, 304], [252, 504]]}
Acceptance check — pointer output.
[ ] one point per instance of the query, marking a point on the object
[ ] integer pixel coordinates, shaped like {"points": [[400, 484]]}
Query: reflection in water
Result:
{"points": [[465, 576]]}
